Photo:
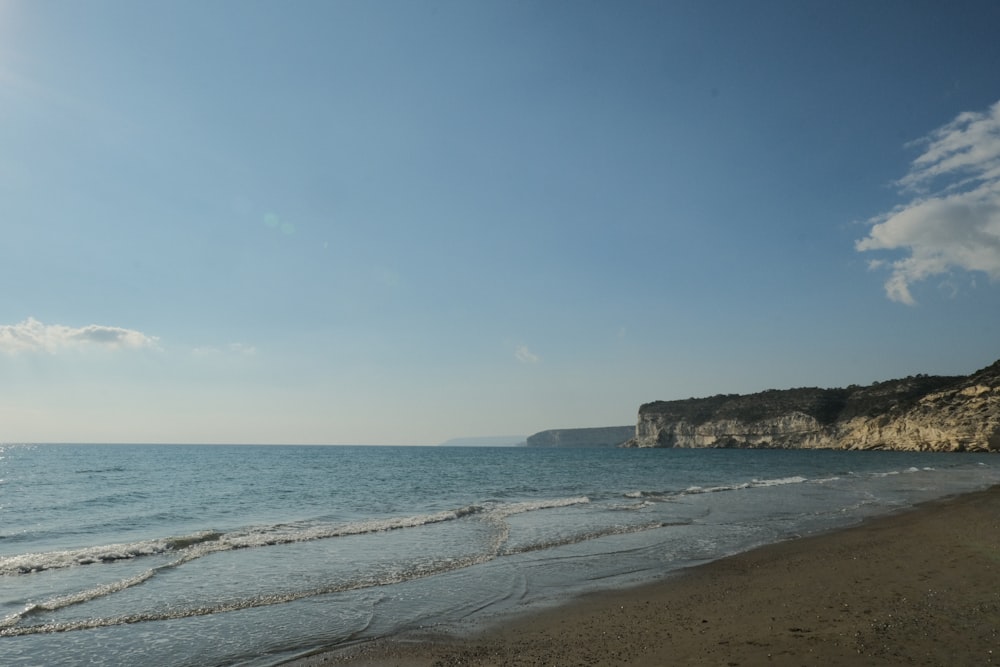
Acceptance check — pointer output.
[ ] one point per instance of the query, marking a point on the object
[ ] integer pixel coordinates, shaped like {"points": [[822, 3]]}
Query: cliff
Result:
{"points": [[605, 436], [921, 413]]}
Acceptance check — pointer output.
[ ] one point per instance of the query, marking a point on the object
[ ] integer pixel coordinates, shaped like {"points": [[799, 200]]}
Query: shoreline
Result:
{"points": [[920, 586]]}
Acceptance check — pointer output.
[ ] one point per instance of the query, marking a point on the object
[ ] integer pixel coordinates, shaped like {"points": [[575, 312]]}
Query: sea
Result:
{"points": [[254, 555]]}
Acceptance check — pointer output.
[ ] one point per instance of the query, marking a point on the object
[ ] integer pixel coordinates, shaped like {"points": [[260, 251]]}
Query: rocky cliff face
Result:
{"points": [[922, 413], [605, 436]]}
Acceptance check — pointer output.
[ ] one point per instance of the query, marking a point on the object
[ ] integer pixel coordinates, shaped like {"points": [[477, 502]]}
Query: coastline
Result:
{"points": [[921, 586]]}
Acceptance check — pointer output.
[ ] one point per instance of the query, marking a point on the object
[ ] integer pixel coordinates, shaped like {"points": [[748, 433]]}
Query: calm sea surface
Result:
{"points": [[224, 555]]}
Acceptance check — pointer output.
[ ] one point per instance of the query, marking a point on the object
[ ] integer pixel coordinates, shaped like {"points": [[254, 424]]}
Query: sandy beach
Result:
{"points": [[920, 587]]}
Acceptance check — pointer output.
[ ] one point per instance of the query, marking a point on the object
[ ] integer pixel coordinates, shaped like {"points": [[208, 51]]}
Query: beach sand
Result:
{"points": [[921, 587]]}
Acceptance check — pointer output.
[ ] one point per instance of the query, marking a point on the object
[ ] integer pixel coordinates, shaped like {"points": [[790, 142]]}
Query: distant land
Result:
{"points": [[486, 441], [603, 436], [917, 413]]}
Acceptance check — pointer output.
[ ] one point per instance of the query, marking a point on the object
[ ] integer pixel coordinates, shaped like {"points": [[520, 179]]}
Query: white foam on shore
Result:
{"points": [[756, 483], [12, 625], [201, 543], [38, 562]]}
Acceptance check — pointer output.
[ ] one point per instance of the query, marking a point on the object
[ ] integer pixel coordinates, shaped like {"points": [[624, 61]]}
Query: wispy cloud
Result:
{"points": [[526, 356], [952, 220], [238, 349], [33, 336]]}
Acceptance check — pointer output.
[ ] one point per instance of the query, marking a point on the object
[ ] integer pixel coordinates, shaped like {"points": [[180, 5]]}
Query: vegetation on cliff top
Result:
{"points": [[826, 406]]}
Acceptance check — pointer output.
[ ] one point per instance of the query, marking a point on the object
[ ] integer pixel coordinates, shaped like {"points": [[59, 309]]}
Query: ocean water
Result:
{"points": [[251, 555]]}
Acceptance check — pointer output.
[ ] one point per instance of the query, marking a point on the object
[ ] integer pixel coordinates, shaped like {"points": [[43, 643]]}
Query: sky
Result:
{"points": [[402, 222]]}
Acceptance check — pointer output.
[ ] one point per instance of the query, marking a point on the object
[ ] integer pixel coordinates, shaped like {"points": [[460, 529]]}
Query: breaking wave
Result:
{"points": [[195, 545], [762, 483], [201, 543]]}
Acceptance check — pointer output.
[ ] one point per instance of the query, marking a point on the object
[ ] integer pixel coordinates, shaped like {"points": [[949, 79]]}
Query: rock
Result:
{"points": [[918, 413]]}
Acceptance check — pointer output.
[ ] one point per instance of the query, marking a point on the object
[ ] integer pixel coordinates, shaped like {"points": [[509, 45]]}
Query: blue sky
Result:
{"points": [[403, 222]]}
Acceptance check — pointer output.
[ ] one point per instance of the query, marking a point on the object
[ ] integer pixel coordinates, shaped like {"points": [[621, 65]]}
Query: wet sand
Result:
{"points": [[921, 587]]}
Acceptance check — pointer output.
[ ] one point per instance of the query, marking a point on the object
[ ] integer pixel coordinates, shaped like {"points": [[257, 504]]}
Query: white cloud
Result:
{"points": [[526, 356], [243, 349], [33, 336], [953, 219]]}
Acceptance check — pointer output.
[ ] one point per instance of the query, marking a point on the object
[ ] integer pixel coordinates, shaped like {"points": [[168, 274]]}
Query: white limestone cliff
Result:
{"points": [[920, 413]]}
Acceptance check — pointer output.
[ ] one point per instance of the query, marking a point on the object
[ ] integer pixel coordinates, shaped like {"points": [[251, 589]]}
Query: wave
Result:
{"points": [[38, 562], [201, 543], [694, 490], [510, 509], [9, 626], [74, 598], [753, 484], [781, 481], [905, 471], [760, 483], [654, 495], [592, 535], [196, 545]]}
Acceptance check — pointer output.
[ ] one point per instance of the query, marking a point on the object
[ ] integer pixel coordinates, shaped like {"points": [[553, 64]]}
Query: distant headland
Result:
{"points": [[486, 441], [604, 436]]}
